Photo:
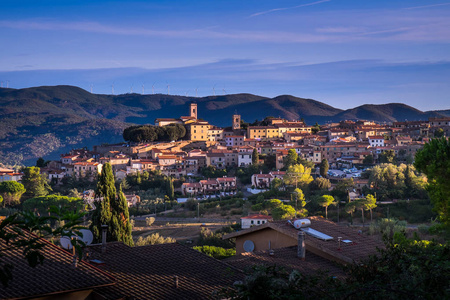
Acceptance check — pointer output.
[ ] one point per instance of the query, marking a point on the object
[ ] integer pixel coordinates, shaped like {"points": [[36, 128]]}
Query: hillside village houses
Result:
{"points": [[344, 143]]}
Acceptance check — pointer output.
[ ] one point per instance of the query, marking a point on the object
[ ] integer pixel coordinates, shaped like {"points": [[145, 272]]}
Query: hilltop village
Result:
{"points": [[344, 145], [249, 195]]}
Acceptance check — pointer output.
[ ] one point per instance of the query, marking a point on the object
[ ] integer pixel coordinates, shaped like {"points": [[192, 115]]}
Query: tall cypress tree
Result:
{"points": [[120, 220], [255, 157], [105, 193], [111, 210]]}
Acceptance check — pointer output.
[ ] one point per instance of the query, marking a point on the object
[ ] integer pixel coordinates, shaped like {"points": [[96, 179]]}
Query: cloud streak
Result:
{"points": [[286, 8], [427, 6]]}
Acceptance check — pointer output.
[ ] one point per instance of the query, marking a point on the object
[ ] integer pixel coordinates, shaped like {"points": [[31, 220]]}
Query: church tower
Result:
{"points": [[236, 121], [193, 110]]}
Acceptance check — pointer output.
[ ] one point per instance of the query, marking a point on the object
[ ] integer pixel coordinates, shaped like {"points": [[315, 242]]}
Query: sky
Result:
{"points": [[344, 53]]}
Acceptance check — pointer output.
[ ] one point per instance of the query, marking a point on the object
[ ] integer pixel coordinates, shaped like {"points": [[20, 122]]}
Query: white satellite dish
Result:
{"points": [[65, 242], [249, 246], [87, 237]]}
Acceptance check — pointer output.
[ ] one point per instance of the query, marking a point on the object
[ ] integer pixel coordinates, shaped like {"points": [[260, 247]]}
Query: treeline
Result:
{"points": [[150, 133]]}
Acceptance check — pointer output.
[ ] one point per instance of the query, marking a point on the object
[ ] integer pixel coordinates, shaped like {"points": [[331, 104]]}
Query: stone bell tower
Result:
{"points": [[236, 121], [193, 110]]}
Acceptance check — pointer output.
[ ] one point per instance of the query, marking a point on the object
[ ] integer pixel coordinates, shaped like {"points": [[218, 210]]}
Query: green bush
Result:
{"points": [[216, 252], [154, 239]]}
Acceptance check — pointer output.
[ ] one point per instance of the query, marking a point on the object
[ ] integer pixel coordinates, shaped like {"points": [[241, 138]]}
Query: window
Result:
{"points": [[259, 222], [252, 222]]}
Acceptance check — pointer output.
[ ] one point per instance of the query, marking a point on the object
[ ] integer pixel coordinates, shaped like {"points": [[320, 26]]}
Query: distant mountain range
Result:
{"points": [[46, 121]]}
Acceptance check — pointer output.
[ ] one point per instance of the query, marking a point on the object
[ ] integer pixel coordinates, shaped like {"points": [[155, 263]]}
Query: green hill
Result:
{"points": [[49, 120]]}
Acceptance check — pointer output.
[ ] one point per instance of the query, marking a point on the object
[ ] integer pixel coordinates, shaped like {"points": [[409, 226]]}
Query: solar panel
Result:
{"points": [[316, 234]]}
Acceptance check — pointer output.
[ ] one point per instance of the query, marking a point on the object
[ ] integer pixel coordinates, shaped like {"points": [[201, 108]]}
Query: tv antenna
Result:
{"points": [[92, 86], [112, 89], [143, 89], [214, 90], [224, 92]]}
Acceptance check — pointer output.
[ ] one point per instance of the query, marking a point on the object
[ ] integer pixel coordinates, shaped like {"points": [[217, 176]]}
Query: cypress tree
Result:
{"points": [[111, 210], [120, 220], [170, 192], [105, 192], [255, 157]]}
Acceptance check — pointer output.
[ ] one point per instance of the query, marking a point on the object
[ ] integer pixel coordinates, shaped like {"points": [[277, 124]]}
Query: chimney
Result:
{"points": [[104, 231], [301, 245]]}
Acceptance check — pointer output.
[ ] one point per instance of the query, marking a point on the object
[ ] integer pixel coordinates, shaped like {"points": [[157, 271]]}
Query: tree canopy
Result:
{"points": [[11, 192], [149, 133], [434, 160], [35, 184], [298, 175]]}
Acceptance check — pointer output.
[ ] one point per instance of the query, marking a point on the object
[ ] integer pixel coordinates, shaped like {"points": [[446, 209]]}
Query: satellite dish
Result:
{"points": [[88, 237], [249, 246], [65, 242]]}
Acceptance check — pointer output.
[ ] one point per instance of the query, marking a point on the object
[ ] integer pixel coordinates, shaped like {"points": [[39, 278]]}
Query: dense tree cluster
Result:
{"points": [[389, 182], [149, 133]]}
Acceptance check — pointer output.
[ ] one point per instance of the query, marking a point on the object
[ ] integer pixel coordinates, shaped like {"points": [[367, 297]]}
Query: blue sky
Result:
{"points": [[342, 52]]}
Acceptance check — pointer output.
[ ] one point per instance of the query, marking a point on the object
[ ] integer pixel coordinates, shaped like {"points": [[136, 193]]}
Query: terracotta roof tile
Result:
{"points": [[148, 272], [287, 258], [56, 275]]}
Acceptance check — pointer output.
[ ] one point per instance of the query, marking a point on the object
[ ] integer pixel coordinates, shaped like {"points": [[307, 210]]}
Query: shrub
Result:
{"points": [[149, 221], [216, 252], [154, 239]]}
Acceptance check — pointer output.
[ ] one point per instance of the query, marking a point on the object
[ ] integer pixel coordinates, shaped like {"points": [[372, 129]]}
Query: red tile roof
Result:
{"points": [[56, 275], [257, 216], [287, 258], [148, 272], [360, 248]]}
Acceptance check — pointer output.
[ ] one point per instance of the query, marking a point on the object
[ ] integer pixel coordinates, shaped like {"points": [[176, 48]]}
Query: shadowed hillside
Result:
{"points": [[48, 120]]}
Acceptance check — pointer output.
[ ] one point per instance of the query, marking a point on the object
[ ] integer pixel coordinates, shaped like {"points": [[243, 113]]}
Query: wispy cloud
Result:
{"points": [[427, 6], [286, 8]]}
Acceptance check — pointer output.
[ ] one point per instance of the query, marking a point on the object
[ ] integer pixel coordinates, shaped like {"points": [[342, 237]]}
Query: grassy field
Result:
{"points": [[181, 232]]}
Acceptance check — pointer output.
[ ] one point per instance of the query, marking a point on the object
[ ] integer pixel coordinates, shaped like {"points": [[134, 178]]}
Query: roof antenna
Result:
{"points": [[214, 90], [224, 92], [153, 88], [143, 89], [92, 86], [168, 89], [112, 88], [7, 83], [131, 90]]}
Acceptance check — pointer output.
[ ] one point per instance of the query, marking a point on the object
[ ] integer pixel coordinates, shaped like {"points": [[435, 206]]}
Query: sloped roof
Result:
{"points": [[361, 247], [148, 272], [56, 275], [286, 258]]}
